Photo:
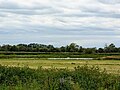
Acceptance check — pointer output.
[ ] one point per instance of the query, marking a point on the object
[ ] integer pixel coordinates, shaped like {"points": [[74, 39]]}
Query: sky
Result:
{"points": [[89, 23]]}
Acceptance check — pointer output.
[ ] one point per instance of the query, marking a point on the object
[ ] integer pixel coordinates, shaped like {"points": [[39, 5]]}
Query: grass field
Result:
{"points": [[112, 66]]}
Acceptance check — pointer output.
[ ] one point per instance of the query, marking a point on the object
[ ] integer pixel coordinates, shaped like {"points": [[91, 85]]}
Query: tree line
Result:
{"points": [[73, 47]]}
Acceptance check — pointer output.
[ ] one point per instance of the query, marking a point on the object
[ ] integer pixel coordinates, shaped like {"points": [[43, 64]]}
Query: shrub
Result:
{"points": [[81, 78]]}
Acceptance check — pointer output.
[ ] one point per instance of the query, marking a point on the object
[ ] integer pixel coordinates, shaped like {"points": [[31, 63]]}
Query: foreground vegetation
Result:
{"points": [[81, 78]]}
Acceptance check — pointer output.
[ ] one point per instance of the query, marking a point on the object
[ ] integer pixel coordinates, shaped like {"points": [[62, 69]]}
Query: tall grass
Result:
{"points": [[81, 78]]}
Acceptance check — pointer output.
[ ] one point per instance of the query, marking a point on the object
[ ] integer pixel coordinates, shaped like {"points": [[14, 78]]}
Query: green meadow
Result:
{"points": [[112, 66]]}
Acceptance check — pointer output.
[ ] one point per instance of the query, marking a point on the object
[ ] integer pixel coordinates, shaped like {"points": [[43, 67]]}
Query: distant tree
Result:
{"points": [[0, 47], [6, 47], [73, 47], [67, 49], [62, 49], [100, 50], [90, 51], [14, 48], [22, 47], [118, 49], [57, 50], [80, 49], [50, 48], [110, 48]]}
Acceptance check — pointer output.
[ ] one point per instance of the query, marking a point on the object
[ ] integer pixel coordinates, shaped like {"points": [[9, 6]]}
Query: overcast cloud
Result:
{"points": [[88, 23]]}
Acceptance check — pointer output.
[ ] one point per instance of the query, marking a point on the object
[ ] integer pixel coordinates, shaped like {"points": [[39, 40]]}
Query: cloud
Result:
{"points": [[21, 4], [110, 1], [59, 22], [18, 7], [30, 12]]}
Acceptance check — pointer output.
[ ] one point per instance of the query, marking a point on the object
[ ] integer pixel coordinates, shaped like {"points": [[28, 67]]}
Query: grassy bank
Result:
{"points": [[55, 54]]}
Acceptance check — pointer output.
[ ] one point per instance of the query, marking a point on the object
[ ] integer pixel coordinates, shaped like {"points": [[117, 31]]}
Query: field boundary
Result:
{"points": [[71, 58]]}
